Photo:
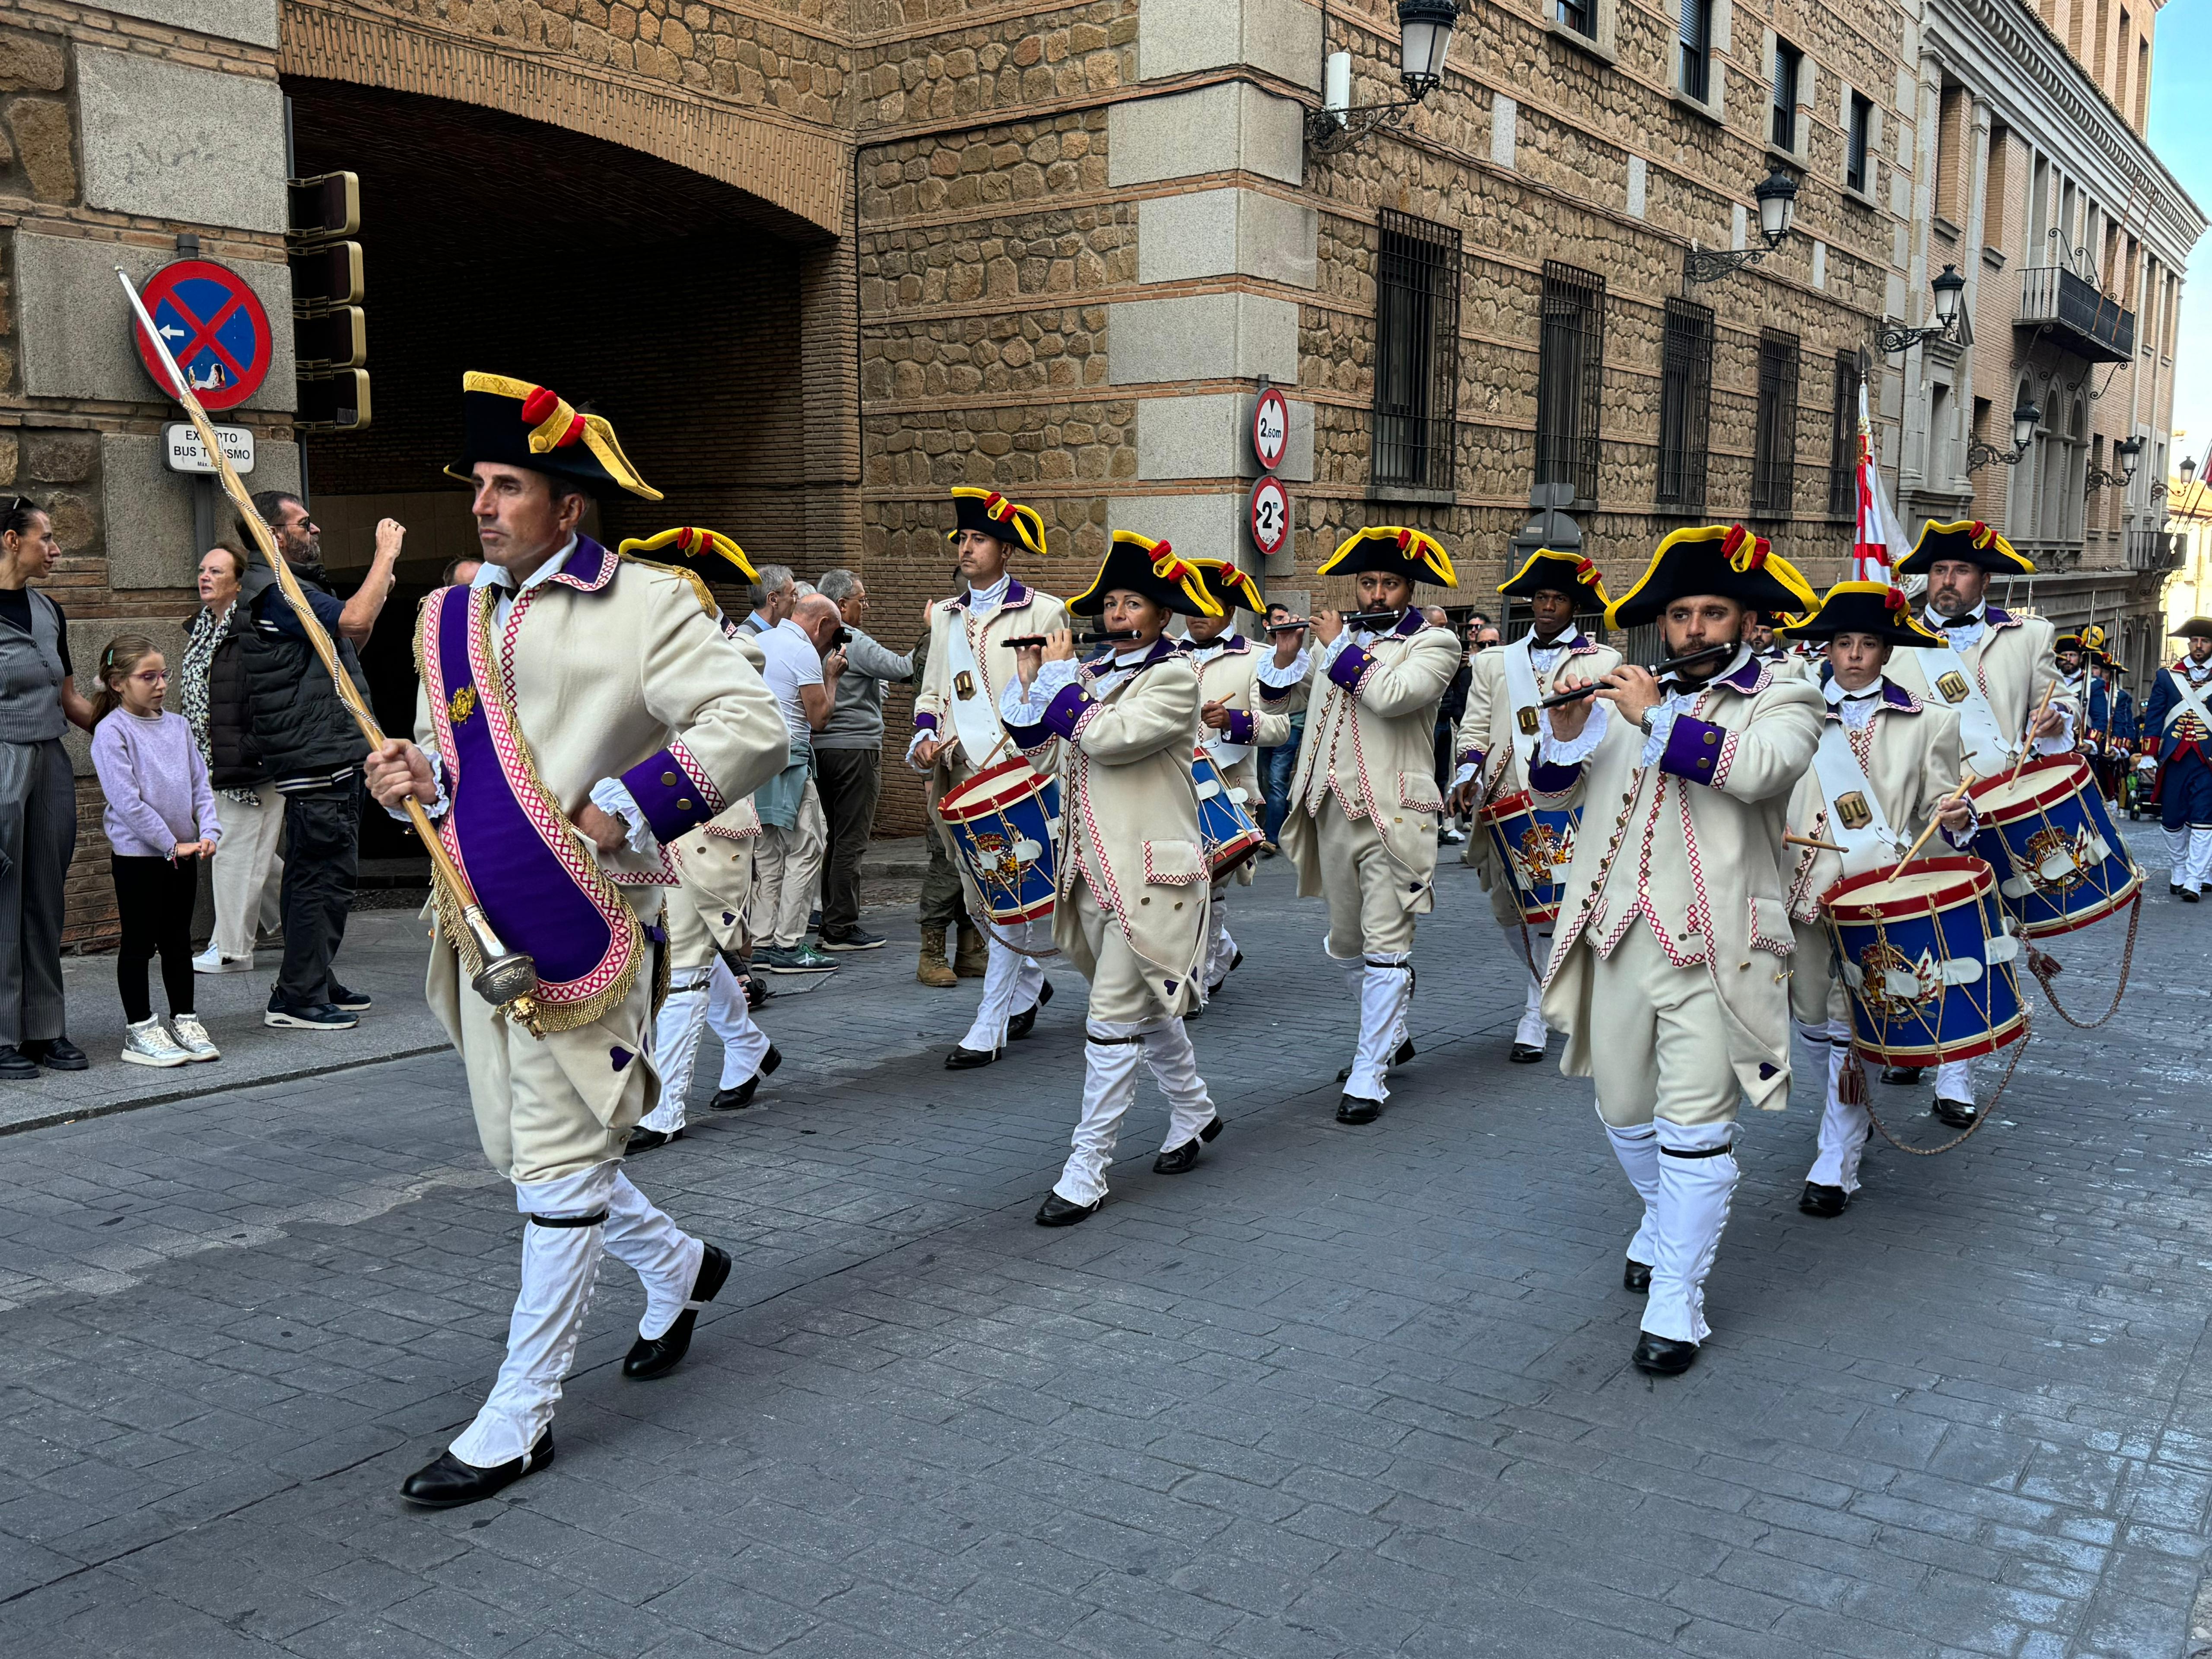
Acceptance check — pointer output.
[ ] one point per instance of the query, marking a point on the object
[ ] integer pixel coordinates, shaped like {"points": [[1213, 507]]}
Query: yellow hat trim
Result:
{"points": [[1981, 535], [1028, 524], [596, 434], [1415, 546], [1745, 550], [1235, 581], [1585, 573], [1892, 596], [692, 541], [1168, 565]]}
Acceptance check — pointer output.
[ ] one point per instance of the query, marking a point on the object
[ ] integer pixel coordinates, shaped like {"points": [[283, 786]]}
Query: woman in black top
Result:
{"points": [[38, 798]]}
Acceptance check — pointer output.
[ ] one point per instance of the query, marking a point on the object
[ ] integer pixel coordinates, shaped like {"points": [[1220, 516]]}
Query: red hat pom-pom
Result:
{"points": [[1895, 599], [540, 404], [1586, 573], [1981, 535], [575, 431]]}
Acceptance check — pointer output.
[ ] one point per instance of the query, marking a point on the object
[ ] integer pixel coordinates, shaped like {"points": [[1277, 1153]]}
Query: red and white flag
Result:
{"points": [[1880, 546]]}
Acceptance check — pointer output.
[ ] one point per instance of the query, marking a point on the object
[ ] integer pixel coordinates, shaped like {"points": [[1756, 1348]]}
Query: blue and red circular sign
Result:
{"points": [[213, 326]]}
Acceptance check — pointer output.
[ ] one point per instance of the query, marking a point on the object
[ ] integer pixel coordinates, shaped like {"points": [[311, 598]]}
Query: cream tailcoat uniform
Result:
{"points": [[1227, 668], [1908, 752], [1669, 970], [953, 699], [1133, 882]]}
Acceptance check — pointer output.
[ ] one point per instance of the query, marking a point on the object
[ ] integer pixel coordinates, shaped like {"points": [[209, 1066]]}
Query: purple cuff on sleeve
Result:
{"points": [[1062, 712], [1693, 750], [672, 794], [1546, 779], [924, 722], [1472, 757], [1351, 664], [1241, 725]]}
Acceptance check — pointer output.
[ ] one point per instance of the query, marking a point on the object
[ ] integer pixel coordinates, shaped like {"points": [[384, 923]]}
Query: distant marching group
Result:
{"points": [[1708, 851]]}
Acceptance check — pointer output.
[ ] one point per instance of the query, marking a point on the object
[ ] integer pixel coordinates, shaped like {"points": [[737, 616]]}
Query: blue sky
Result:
{"points": [[2181, 133]]}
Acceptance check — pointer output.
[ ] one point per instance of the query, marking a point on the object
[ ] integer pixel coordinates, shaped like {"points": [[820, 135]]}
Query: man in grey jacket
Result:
{"points": [[848, 759]]}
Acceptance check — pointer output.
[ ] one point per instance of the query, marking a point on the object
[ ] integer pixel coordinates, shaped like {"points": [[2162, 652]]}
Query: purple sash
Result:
{"points": [[542, 894]]}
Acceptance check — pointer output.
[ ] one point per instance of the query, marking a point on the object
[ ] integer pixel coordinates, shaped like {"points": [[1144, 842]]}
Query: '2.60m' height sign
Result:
{"points": [[1270, 506]]}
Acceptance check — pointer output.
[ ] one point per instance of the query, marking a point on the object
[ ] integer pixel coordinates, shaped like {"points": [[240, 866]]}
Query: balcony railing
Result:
{"points": [[2085, 322], [2153, 550]]}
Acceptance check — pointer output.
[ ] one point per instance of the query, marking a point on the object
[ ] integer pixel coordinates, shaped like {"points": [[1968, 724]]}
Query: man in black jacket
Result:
{"points": [[300, 736]]}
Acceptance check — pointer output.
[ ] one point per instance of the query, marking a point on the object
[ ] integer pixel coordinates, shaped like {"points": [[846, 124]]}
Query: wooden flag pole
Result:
{"points": [[506, 978]]}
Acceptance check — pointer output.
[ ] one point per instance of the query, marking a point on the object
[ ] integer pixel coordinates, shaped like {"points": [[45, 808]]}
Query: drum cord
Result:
{"points": [[1854, 1071], [2046, 967]]}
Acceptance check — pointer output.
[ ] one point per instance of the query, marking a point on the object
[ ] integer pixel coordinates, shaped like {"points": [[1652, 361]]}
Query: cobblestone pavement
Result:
{"points": [[1338, 1390]]}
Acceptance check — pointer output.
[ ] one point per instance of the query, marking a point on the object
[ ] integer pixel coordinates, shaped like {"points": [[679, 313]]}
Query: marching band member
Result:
{"points": [[1361, 827], [2179, 716], [1886, 764], [711, 870], [958, 732], [1991, 669], [1498, 736], [577, 713], [1232, 730], [1131, 870], [1674, 935]]}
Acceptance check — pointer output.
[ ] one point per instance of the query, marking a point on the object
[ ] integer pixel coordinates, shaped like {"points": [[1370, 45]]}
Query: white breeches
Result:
{"points": [[1220, 948], [2189, 849], [715, 1003], [1011, 981], [1384, 986], [1843, 1126], [1111, 1053]]}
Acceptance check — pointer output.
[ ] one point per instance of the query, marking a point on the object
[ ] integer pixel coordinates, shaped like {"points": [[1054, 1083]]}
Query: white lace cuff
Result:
{"points": [[1465, 774], [1019, 708], [613, 797], [1662, 727], [1282, 679], [438, 808], [1574, 752]]}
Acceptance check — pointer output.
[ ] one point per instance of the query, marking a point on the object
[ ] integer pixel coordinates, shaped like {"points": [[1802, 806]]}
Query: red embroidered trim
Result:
{"points": [[1154, 878], [688, 764], [1727, 760]]}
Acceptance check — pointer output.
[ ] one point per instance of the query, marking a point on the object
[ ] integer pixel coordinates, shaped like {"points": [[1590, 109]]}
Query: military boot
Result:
{"points": [[935, 971], [971, 958]]}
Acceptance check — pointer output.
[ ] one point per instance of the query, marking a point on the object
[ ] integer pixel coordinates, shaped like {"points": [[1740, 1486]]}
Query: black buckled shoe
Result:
{"points": [[736, 1099], [1025, 1021], [967, 1059], [15, 1066], [1525, 1053], [57, 1053], [1903, 1077], [1057, 1211], [642, 1140], [448, 1483], [1636, 1276], [2189, 896], [1405, 1053], [1826, 1202], [1662, 1356], [1177, 1159], [1959, 1114], [1352, 1109], [656, 1356]]}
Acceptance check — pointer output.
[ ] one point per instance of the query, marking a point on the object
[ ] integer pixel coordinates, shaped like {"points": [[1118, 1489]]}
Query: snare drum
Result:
{"points": [[1930, 961], [2047, 833], [1004, 824], [1227, 828], [1533, 848]]}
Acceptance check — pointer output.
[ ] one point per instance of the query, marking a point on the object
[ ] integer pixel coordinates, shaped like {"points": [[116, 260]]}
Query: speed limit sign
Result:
{"points": [[1270, 516], [1271, 430]]}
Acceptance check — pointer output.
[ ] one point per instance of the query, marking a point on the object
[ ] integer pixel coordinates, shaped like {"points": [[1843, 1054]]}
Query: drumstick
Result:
{"points": [[1966, 778], [2027, 741], [1818, 846]]}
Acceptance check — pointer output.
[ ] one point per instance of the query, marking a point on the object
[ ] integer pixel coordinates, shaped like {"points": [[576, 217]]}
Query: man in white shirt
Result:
{"points": [[773, 595], [801, 667]]}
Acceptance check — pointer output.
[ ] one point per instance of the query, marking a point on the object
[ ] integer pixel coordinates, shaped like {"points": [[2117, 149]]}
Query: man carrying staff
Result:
{"points": [[578, 713], [1498, 738], [1669, 969], [2179, 716], [958, 732], [1991, 669], [1362, 828], [1886, 764], [1232, 729]]}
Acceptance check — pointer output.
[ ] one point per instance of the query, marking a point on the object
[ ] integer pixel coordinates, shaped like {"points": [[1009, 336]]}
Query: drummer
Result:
{"points": [[1232, 731], [1132, 877], [1892, 761], [2178, 717], [957, 733], [1498, 737], [1362, 825], [1992, 669]]}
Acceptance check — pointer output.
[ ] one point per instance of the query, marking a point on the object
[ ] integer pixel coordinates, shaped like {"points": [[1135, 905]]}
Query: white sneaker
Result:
{"points": [[192, 1037], [146, 1043], [212, 961]]}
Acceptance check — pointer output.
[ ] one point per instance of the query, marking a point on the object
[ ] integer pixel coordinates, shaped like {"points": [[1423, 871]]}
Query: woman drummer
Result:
{"points": [[1133, 876], [1886, 763]]}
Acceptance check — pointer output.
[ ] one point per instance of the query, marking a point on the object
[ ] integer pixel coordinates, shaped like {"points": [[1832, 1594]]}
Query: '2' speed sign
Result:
{"points": [[1270, 516]]}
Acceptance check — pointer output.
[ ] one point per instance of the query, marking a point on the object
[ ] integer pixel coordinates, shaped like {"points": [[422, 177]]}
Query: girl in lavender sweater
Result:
{"points": [[160, 821]]}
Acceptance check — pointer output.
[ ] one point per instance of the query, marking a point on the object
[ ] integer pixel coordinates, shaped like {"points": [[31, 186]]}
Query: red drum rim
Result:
{"points": [[1541, 913], [2056, 776], [991, 790], [1044, 907], [1931, 1054], [1855, 898], [2074, 921], [1224, 858], [1506, 806]]}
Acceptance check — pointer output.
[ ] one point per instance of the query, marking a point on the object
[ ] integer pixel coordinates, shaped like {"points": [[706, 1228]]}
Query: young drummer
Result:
{"points": [[1361, 827], [1231, 729], [1886, 763], [1498, 737], [1132, 864], [956, 731]]}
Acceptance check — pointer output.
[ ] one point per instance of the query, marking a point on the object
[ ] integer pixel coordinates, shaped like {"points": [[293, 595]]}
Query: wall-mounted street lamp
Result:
{"points": [[2025, 420], [1948, 289], [1776, 195], [1424, 33], [2127, 452], [2188, 470]]}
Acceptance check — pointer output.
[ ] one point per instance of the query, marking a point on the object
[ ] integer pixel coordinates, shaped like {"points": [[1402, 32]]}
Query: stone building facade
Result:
{"points": [[822, 259]]}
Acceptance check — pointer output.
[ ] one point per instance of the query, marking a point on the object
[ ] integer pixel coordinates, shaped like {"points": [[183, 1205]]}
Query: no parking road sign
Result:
{"points": [[213, 325]]}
